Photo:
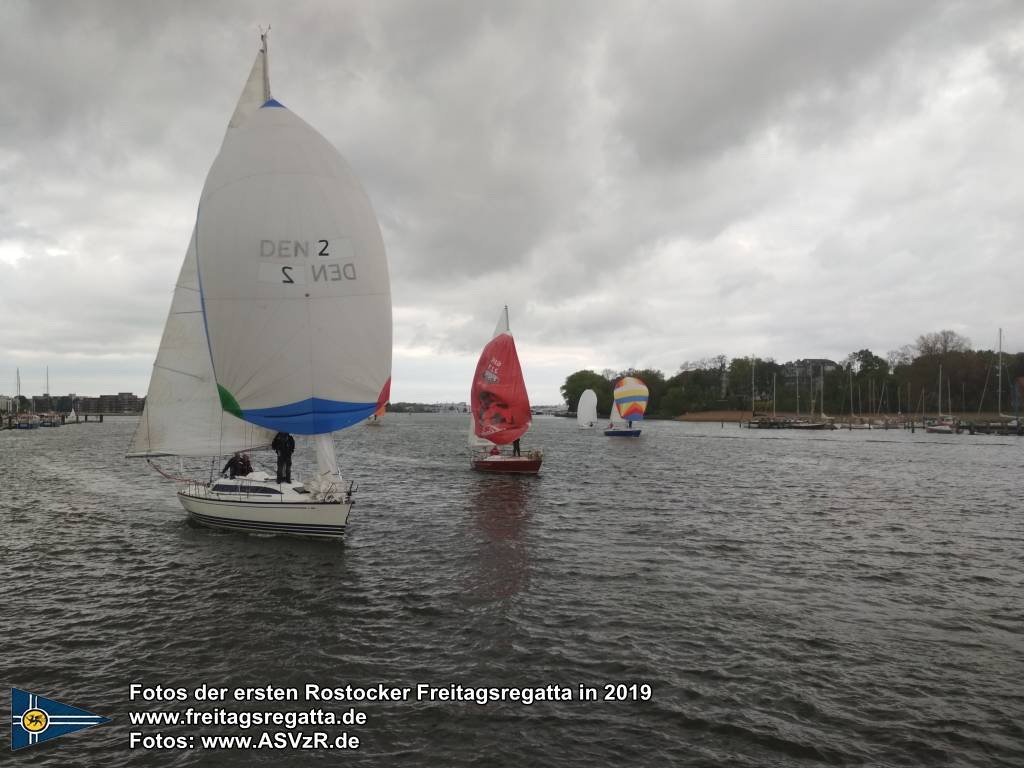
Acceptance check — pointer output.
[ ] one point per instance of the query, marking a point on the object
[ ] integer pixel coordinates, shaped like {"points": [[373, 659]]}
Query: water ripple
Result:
{"points": [[792, 599]]}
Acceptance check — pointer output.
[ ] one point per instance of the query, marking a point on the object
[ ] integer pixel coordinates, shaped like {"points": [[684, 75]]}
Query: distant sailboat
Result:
{"points": [[280, 322], [630, 403], [586, 410], [499, 406], [382, 407], [943, 425]]}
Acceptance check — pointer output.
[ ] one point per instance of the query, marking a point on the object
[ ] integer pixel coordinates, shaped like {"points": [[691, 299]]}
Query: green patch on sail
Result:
{"points": [[228, 402]]}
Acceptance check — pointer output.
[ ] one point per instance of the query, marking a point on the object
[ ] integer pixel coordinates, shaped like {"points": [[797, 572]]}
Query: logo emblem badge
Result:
{"points": [[35, 719]]}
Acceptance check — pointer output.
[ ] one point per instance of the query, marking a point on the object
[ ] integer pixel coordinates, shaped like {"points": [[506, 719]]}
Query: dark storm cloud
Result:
{"points": [[644, 183]]}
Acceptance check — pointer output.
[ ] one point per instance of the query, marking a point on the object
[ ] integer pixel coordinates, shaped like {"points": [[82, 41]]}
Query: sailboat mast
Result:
{"points": [[798, 391], [266, 65], [999, 378]]}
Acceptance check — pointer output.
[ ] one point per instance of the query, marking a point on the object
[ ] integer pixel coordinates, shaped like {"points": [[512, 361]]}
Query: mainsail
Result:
{"points": [[498, 402], [183, 414]]}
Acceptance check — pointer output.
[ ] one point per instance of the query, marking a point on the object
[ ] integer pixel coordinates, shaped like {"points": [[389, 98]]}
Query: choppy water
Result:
{"points": [[793, 599]]}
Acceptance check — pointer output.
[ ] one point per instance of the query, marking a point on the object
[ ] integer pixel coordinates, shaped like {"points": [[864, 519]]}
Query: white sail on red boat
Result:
{"points": [[280, 321], [500, 407]]}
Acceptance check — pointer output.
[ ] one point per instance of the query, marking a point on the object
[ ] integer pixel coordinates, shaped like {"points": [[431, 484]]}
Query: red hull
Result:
{"points": [[508, 464]]}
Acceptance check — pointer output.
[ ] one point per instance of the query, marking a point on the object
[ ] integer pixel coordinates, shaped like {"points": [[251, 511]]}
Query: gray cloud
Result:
{"points": [[644, 183]]}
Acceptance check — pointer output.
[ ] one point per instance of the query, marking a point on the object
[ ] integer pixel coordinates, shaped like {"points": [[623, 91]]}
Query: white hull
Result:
{"points": [[272, 508]]}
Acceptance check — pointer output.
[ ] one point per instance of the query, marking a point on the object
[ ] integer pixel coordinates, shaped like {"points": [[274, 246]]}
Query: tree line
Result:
{"points": [[907, 380]]}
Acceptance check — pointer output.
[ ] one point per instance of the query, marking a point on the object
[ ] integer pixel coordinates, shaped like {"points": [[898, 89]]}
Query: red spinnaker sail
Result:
{"points": [[500, 407], [382, 399]]}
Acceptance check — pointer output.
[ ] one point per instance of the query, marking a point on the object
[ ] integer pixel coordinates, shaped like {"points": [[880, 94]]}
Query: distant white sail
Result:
{"points": [[586, 410]]}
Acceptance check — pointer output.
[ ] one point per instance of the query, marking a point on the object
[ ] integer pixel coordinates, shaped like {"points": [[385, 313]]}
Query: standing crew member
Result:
{"points": [[283, 446]]}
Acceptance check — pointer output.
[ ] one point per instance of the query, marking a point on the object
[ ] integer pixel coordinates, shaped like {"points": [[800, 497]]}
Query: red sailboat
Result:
{"points": [[500, 408], [382, 405]]}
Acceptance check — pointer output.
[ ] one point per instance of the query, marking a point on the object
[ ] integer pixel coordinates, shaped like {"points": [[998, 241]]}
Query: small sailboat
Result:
{"points": [[586, 410], [821, 423], [280, 322], [630, 403], [28, 421], [500, 408], [942, 425], [382, 407]]}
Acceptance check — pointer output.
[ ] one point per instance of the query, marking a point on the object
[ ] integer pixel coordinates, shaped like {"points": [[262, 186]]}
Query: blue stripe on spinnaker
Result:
{"points": [[312, 416], [273, 103], [632, 399]]}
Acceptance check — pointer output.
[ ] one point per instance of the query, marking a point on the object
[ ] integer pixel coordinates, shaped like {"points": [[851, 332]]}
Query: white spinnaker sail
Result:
{"points": [[294, 278], [183, 414], [586, 409]]}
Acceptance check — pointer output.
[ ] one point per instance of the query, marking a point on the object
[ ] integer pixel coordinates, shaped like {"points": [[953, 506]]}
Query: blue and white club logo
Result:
{"points": [[35, 719]]}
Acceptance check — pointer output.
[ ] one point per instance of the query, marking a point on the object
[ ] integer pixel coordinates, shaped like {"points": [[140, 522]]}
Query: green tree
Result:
{"points": [[577, 383], [942, 342]]}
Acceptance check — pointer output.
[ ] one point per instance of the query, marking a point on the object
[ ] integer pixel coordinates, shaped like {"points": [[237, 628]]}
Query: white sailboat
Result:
{"points": [[280, 322], [942, 425], [1005, 420], [586, 410]]}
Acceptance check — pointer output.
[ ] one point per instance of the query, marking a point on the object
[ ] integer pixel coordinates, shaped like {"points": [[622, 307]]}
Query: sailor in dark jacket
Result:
{"points": [[283, 446], [238, 465]]}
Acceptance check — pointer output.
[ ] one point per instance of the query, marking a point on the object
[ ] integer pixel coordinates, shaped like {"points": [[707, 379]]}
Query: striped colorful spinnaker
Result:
{"points": [[631, 398]]}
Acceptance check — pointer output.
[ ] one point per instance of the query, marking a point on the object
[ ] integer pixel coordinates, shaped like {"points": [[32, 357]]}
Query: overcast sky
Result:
{"points": [[643, 183]]}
